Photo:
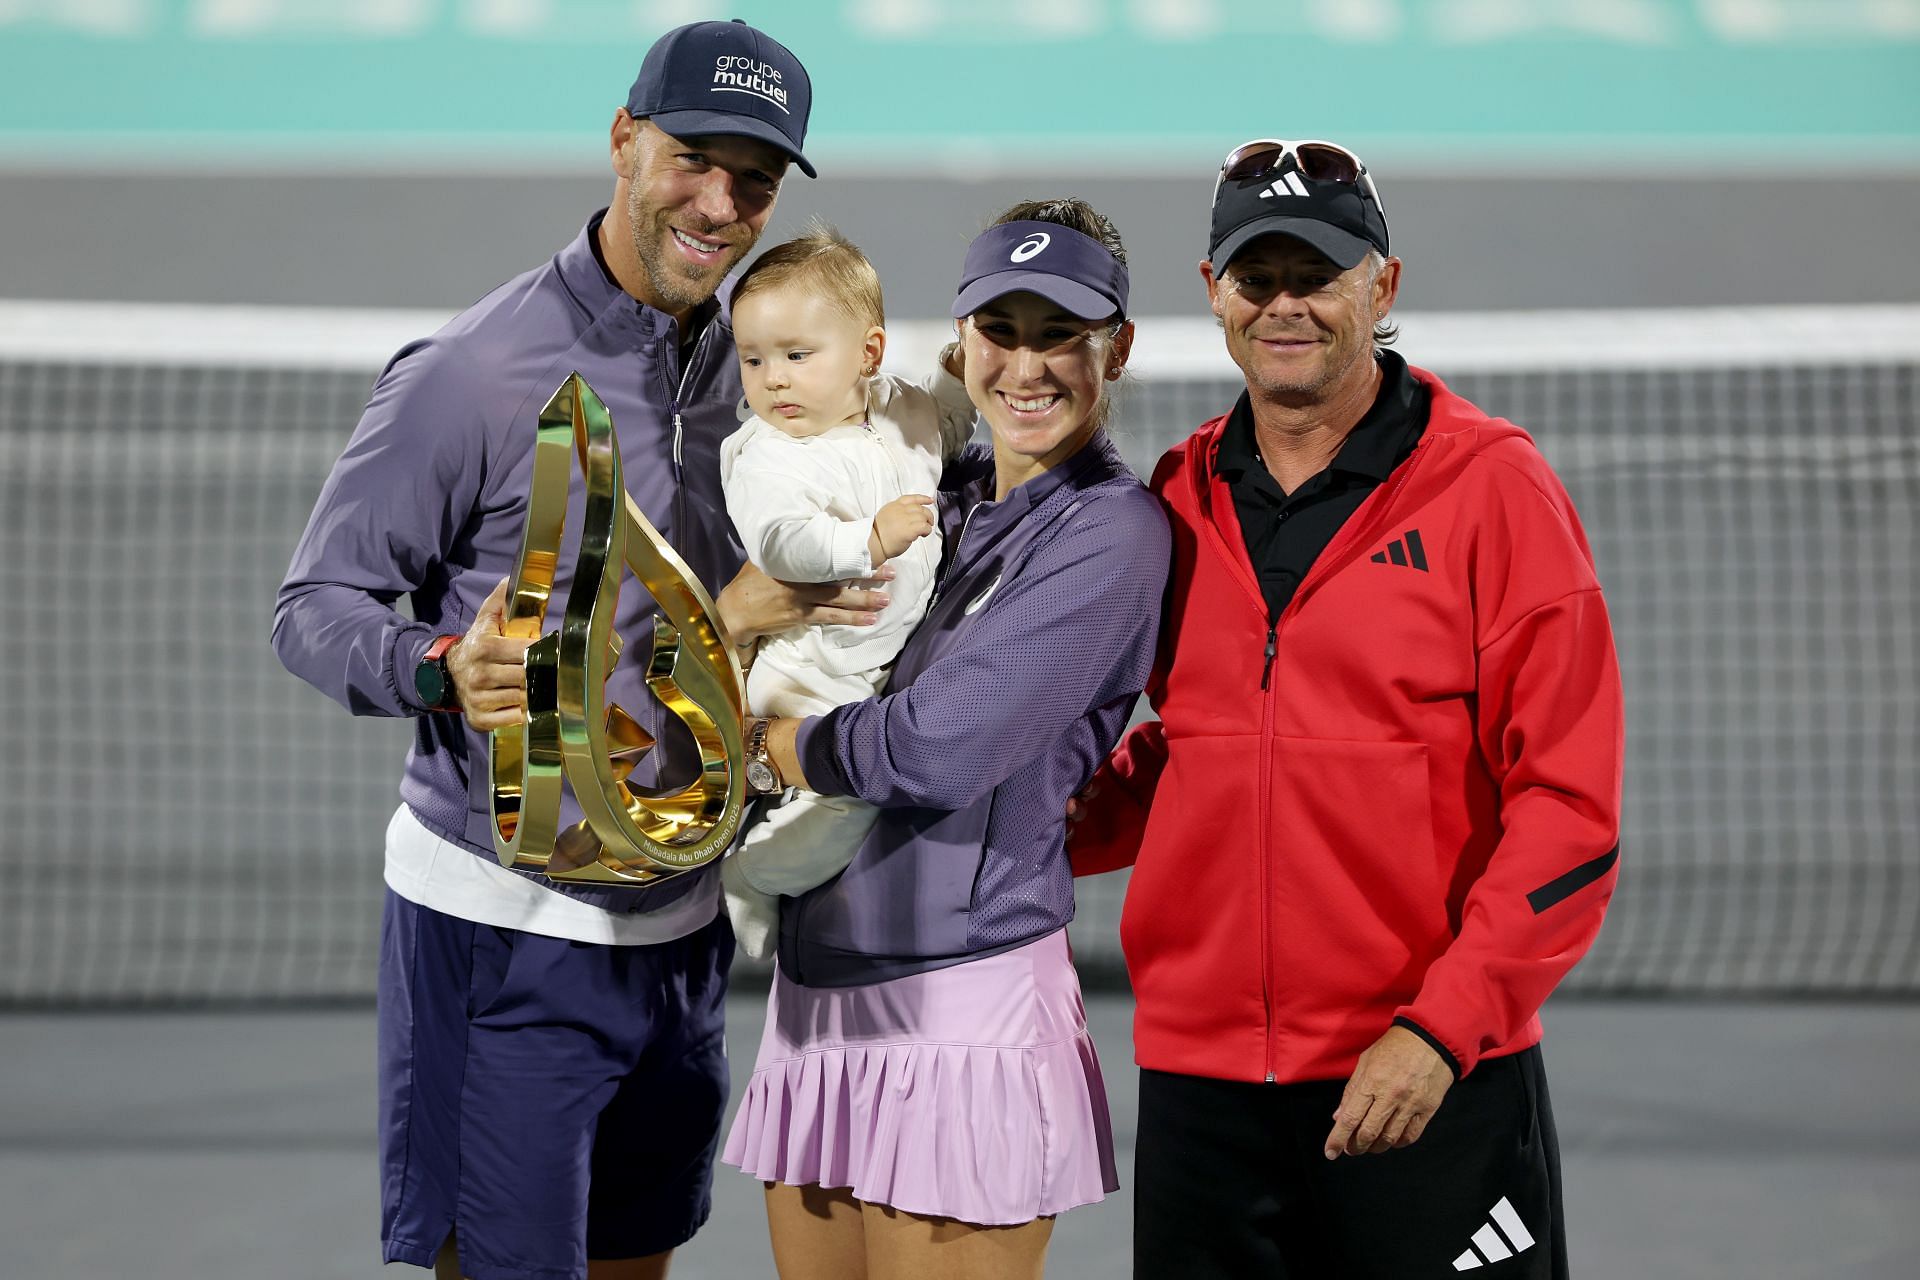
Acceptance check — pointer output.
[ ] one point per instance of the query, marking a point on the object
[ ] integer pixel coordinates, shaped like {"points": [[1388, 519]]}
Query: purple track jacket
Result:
{"points": [[429, 499], [1020, 680]]}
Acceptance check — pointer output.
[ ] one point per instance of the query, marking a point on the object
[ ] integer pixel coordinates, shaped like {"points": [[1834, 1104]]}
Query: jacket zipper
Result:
{"points": [[892, 463], [1265, 844], [686, 372], [953, 565]]}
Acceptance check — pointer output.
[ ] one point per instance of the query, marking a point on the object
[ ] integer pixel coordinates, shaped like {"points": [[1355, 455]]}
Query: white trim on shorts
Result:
{"points": [[441, 876]]}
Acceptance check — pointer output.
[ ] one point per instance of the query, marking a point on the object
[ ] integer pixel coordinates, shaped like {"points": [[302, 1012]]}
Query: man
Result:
{"points": [[552, 1074], [1377, 819]]}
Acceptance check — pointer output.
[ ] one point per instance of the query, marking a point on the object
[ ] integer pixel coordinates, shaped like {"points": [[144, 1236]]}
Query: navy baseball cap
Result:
{"points": [[1343, 220], [1070, 270], [725, 78]]}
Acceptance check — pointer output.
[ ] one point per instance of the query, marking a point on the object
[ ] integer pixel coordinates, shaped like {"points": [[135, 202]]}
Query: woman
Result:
{"points": [[926, 1097]]}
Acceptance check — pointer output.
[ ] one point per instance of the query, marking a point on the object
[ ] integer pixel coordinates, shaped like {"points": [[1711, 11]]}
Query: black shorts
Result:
{"points": [[1230, 1182]]}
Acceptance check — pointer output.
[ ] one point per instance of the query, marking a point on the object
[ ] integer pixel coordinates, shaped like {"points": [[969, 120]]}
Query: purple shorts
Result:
{"points": [[547, 1101]]}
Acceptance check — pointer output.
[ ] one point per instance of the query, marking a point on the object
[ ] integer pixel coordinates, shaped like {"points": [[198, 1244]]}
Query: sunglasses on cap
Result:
{"points": [[1319, 161]]}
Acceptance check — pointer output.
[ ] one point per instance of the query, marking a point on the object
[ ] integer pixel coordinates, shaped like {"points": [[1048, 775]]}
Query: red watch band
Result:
{"points": [[435, 660]]}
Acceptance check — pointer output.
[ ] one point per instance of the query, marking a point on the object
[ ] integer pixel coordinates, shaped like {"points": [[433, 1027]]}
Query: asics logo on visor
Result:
{"points": [[1030, 247]]}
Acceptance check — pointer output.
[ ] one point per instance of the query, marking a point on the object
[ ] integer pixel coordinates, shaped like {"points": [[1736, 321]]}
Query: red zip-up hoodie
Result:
{"points": [[1401, 801]]}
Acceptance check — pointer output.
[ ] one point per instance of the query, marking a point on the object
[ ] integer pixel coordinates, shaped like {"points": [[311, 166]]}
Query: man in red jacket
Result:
{"points": [[1378, 817]]}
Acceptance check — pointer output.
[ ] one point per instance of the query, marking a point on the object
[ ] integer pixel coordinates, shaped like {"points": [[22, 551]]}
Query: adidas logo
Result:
{"points": [[1290, 185], [1492, 1245], [1405, 550]]}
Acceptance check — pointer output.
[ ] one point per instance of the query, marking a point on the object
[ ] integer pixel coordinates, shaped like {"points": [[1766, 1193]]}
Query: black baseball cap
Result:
{"points": [[1342, 220], [725, 78], [1073, 271]]}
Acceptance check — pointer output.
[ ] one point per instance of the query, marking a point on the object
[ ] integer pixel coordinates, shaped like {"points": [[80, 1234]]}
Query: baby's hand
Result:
{"points": [[898, 525]]}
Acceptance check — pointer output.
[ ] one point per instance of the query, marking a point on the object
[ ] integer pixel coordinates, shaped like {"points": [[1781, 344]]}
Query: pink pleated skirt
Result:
{"points": [[971, 1092]]}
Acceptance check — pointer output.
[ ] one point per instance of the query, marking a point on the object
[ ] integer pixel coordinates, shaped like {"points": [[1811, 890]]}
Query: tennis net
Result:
{"points": [[190, 823]]}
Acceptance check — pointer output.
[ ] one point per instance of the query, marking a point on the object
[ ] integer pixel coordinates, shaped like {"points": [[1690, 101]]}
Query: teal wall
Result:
{"points": [[926, 83]]}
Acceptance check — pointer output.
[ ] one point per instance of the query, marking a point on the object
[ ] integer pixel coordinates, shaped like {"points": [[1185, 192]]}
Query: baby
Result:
{"points": [[832, 476]]}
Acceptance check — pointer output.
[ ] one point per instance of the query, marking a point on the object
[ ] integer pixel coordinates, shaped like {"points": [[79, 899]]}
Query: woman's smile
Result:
{"points": [[1031, 408]]}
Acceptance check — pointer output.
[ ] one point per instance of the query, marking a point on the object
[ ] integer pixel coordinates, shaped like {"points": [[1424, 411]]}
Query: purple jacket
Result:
{"points": [[429, 499], [1003, 703]]}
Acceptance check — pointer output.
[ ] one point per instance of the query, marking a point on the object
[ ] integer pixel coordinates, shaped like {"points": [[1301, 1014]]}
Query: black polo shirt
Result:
{"points": [[1286, 532]]}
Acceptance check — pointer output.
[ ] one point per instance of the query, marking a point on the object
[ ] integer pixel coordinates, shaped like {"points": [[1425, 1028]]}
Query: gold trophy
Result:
{"points": [[569, 730]]}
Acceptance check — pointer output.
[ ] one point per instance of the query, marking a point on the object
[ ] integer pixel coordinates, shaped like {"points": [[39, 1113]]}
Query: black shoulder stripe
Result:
{"points": [[1563, 887]]}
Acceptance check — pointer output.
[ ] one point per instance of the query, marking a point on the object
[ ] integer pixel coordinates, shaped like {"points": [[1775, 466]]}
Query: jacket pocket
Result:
{"points": [[1355, 894], [1191, 926]]}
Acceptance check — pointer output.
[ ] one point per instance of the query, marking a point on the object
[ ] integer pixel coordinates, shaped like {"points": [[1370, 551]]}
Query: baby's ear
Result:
{"points": [[875, 350]]}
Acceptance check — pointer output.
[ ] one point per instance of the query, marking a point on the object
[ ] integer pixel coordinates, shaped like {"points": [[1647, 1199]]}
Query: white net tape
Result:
{"points": [[190, 823]]}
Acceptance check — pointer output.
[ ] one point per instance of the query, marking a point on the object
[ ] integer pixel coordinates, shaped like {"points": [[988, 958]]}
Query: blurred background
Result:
{"points": [[1675, 239]]}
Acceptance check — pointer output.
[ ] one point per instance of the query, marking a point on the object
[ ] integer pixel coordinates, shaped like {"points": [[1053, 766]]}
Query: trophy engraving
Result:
{"points": [[569, 730]]}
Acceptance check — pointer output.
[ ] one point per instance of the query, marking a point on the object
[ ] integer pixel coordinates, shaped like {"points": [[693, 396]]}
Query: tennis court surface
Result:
{"points": [[1703, 1141]]}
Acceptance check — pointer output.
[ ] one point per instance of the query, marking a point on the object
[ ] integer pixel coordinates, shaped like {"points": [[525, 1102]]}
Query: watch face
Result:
{"points": [[430, 682], [760, 776]]}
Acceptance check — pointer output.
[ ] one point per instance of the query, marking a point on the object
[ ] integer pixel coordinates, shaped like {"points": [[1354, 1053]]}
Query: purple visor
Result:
{"points": [[1074, 272]]}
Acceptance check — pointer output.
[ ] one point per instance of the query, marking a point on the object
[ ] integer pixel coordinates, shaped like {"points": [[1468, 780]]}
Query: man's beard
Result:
{"points": [[676, 282]]}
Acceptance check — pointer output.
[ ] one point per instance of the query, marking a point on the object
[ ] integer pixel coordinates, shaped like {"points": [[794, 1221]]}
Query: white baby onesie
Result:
{"points": [[804, 508]]}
